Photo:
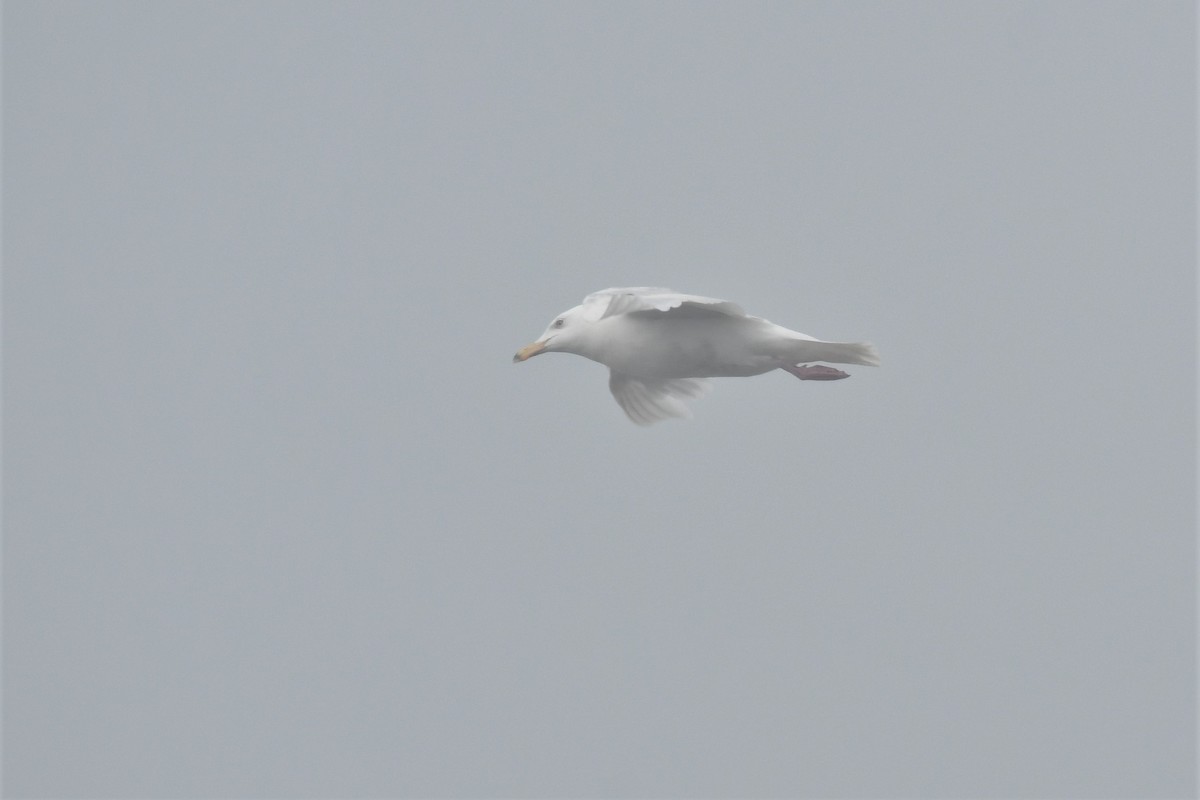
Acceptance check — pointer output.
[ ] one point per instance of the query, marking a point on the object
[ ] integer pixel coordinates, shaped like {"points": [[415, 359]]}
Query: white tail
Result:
{"points": [[863, 353]]}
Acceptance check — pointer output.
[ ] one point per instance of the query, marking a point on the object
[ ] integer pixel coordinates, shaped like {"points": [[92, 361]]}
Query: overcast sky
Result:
{"points": [[281, 519]]}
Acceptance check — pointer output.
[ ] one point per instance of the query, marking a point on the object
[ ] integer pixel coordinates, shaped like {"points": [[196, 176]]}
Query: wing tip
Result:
{"points": [[646, 403]]}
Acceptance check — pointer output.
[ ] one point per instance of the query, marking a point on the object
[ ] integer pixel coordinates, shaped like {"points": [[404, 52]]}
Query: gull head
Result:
{"points": [[564, 334]]}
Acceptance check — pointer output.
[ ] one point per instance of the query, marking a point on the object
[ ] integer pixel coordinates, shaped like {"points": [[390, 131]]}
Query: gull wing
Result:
{"points": [[648, 298], [647, 402]]}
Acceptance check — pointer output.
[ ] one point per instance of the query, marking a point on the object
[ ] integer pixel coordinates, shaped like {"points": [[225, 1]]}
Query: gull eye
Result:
{"points": [[558, 323]]}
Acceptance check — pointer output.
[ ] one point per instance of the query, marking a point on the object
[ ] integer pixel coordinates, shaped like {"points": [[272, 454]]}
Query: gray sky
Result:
{"points": [[281, 519]]}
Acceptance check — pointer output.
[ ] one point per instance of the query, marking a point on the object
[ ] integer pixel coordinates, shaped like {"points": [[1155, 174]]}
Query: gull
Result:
{"points": [[661, 347]]}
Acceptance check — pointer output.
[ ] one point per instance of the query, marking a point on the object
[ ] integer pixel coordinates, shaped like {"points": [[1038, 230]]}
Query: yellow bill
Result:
{"points": [[529, 351]]}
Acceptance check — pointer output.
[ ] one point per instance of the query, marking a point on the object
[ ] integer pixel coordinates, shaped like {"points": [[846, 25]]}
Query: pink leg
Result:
{"points": [[818, 372]]}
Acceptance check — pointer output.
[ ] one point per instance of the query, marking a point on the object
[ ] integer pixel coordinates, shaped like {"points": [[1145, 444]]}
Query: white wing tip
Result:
{"points": [[646, 403]]}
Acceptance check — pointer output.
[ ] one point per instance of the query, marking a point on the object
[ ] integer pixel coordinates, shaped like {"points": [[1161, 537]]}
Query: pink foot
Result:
{"points": [[819, 372]]}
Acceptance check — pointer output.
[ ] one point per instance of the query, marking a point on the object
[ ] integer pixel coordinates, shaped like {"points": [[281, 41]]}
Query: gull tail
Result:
{"points": [[806, 350]]}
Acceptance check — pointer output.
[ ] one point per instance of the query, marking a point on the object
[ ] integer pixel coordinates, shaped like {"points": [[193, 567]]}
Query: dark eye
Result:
{"points": [[558, 323]]}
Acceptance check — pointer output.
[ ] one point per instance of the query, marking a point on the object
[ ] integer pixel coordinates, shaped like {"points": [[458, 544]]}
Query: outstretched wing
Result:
{"points": [[647, 402], [648, 298]]}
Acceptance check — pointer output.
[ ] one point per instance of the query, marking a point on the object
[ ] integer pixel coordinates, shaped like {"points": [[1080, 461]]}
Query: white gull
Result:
{"points": [[661, 346]]}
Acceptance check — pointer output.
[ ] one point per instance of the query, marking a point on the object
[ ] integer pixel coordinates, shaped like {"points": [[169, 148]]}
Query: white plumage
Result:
{"points": [[662, 346]]}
